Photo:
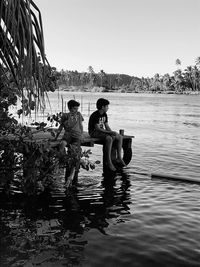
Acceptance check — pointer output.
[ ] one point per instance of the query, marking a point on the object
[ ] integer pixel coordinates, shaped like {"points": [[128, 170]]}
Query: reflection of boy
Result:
{"points": [[72, 124], [98, 127]]}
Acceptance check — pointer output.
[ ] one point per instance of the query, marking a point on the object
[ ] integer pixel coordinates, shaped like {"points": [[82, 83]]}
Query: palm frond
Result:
{"points": [[22, 50]]}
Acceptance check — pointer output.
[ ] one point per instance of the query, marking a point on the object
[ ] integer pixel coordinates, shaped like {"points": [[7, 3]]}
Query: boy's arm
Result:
{"points": [[106, 130], [109, 129]]}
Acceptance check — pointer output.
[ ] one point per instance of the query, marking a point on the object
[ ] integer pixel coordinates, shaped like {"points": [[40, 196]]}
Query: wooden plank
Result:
{"points": [[175, 177], [44, 136]]}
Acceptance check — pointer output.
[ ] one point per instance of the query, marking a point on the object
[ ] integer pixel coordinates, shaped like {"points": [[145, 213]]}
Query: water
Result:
{"points": [[132, 220]]}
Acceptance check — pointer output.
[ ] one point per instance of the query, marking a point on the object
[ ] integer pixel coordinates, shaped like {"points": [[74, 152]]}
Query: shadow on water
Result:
{"points": [[86, 211], [52, 229]]}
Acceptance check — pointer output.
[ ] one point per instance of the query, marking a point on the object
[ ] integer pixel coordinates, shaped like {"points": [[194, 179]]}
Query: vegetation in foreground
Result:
{"points": [[25, 74]]}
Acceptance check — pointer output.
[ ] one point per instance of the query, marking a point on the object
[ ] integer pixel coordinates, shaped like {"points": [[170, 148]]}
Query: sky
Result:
{"points": [[135, 37]]}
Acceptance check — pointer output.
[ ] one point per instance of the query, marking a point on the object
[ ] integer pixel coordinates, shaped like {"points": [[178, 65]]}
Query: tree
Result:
{"points": [[22, 54], [83, 78], [92, 76], [190, 78], [118, 79], [178, 62], [178, 80], [197, 61], [103, 76], [166, 81], [156, 82]]}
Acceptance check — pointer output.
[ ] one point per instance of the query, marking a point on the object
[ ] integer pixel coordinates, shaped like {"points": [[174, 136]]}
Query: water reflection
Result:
{"points": [[52, 229], [109, 200]]}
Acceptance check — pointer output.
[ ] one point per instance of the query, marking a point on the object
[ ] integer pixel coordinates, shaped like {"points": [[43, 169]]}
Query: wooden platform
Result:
{"points": [[45, 136]]}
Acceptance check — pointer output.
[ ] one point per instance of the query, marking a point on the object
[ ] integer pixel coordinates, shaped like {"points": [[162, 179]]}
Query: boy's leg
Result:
{"points": [[119, 140], [66, 140], [63, 144], [108, 141], [108, 148], [75, 148]]}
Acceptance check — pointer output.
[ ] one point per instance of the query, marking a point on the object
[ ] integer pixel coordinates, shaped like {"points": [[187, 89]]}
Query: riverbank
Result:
{"points": [[121, 90]]}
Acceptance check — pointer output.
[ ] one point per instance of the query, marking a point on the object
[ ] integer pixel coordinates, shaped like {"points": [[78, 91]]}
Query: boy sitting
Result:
{"points": [[72, 124], [98, 127]]}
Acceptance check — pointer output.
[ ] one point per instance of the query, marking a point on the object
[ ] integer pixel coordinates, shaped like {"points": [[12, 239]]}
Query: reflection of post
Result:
{"points": [[116, 195]]}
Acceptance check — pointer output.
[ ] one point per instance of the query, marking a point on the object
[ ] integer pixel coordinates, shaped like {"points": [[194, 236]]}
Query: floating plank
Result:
{"points": [[175, 177]]}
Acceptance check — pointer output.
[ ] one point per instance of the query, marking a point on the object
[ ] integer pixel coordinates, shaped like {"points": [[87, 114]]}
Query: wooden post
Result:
{"points": [[127, 149], [62, 103]]}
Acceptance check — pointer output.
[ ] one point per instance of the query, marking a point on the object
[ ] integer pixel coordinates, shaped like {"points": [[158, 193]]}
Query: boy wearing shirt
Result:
{"points": [[72, 124], [98, 127]]}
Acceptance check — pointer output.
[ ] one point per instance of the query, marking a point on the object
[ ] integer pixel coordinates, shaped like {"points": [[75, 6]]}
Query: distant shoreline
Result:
{"points": [[121, 90]]}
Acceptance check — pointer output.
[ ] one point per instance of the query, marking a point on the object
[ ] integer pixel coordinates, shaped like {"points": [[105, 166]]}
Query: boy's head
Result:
{"points": [[73, 105], [102, 102]]}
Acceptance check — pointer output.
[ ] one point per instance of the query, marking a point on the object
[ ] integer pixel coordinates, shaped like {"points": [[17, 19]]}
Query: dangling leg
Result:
{"points": [[119, 140], [108, 147], [63, 144], [65, 141]]}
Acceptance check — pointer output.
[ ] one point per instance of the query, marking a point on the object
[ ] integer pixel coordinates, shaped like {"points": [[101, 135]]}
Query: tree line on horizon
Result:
{"points": [[187, 80]]}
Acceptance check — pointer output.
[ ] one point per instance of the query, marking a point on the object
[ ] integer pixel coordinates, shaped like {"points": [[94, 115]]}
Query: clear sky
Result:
{"points": [[135, 37]]}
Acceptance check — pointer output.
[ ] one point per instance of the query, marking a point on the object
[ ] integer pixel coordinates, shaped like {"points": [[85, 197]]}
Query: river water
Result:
{"points": [[129, 219]]}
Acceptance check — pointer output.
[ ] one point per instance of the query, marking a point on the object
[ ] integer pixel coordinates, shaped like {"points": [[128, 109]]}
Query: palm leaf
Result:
{"points": [[22, 50]]}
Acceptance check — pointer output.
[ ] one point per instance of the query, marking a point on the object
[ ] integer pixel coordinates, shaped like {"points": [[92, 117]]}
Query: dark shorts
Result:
{"points": [[71, 139], [98, 134]]}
